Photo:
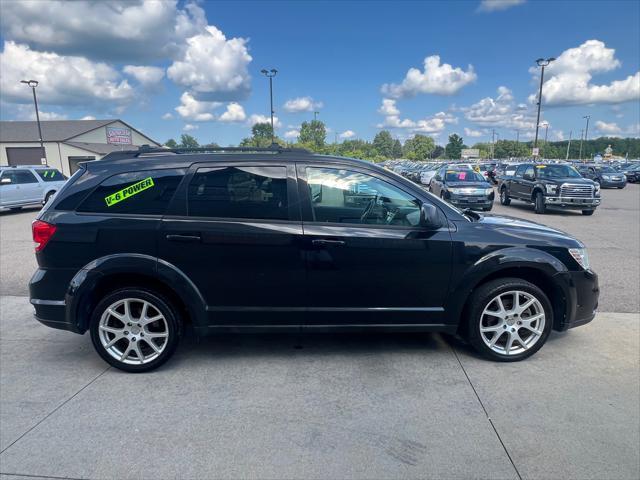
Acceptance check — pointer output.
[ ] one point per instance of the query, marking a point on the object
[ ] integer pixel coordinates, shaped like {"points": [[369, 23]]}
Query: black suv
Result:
{"points": [[142, 244], [463, 187], [550, 185]]}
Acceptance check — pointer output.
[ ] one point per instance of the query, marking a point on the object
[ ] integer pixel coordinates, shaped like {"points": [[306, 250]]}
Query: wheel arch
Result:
{"points": [[534, 266], [113, 272], [535, 191]]}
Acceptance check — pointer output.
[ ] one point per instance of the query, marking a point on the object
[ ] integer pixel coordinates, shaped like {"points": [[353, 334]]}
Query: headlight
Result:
{"points": [[488, 191], [597, 187], [456, 191], [551, 188], [606, 177], [580, 256]]}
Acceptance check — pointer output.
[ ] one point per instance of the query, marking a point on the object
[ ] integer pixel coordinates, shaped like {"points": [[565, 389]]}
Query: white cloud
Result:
{"points": [[145, 75], [167, 116], [88, 117], [257, 118], [501, 111], [302, 104], [569, 78], [292, 134], [64, 80], [430, 125], [195, 110], [439, 79], [558, 135], [388, 107], [188, 127], [347, 134], [213, 68], [607, 128], [469, 132], [119, 30], [494, 5], [233, 113]]}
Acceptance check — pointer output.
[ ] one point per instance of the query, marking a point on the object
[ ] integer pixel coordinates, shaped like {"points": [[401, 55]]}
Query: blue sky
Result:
{"points": [[333, 57]]}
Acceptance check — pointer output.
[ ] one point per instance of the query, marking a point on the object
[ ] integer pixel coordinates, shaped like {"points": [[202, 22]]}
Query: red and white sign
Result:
{"points": [[536, 152], [119, 136]]}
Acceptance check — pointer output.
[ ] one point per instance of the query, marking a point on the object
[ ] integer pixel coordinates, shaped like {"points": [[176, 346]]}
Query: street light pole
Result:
{"points": [[569, 144], [586, 132], [541, 62], [315, 116], [270, 74], [581, 136], [33, 84]]}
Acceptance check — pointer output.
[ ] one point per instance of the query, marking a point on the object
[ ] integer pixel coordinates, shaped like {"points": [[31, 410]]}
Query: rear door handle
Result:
{"points": [[323, 242], [184, 238]]}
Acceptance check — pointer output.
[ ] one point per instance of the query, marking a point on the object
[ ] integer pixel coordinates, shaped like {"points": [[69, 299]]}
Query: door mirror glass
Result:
{"points": [[316, 192], [5, 181], [429, 217]]}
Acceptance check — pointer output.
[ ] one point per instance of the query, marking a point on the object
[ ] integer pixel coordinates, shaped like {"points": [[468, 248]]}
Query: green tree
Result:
{"points": [[419, 147], [383, 143], [313, 133], [453, 150], [187, 141], [397, 149], [260, 136], [437, 152], [171, 143]]}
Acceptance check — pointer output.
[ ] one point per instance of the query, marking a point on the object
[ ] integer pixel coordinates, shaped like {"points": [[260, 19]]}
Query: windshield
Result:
{"points": [[606, 169], [557, 171], [467, 175]]}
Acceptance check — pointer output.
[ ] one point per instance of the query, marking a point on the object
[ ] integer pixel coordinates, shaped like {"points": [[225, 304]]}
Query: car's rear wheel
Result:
{"points": [[504, 197], [509, 319], [135, 330], [588, 212], [540, 207]]}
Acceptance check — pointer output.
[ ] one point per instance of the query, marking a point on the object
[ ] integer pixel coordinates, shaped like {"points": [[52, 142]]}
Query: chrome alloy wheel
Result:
{"points": [[512, 322], [133, 331]]}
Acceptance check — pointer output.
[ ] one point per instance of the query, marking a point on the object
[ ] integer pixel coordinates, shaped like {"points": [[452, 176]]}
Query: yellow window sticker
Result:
{"points": [[541, 166], [128, 192]]}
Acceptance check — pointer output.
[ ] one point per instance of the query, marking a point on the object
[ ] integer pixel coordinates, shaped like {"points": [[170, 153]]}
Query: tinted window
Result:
{"points": [[463, 175], [146, 193], [344, 196], [529, 171], [239, 192], [51, 175], [557, 171]]}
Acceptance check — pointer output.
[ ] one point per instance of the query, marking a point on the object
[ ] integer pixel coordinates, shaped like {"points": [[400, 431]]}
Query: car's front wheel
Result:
{"points": [[508, 319], [540, 206], [588, 212], [135, 330]]}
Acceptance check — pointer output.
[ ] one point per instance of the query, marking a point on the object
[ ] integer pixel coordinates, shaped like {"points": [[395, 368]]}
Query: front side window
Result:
{"points": [[143, 193], [529, 173], [50, 175], [19, 176], [344, 196], [520, 170], [239, 192]]}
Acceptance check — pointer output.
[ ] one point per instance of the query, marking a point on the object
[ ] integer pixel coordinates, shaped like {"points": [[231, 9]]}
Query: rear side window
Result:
{"points": [[19, 176], [239, 192], [144, 193], [50, 175]]}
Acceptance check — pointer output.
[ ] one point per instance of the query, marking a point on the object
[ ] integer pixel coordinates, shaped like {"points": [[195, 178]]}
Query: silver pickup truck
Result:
{"points": [[28, 185]]}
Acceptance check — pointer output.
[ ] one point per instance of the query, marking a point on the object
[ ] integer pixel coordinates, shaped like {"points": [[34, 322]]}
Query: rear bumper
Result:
{"points": [[47, 292], [581, 294]]}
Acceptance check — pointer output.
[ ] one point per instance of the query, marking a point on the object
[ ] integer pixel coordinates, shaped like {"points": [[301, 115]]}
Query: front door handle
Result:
{"points": [[184, 238], [323, 242]]}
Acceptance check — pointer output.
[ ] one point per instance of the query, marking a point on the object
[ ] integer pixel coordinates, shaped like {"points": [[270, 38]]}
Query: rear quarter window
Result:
{"points": [[144, 193], [50, 175]]}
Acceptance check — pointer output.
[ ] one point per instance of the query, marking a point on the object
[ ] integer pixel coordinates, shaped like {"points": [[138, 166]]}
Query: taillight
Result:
{"points": [[42, 233]]}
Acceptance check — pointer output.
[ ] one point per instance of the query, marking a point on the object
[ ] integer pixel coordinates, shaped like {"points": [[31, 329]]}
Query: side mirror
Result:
{"points": [[429, 216], [528, 176], [5, 181], [438, 178]]}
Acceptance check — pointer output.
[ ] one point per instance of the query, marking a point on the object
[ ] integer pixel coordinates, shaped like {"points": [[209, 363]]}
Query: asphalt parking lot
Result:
{"points": [[332, 405]]}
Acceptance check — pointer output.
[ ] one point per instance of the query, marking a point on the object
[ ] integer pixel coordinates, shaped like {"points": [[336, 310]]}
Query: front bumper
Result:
{"points": [[471, 201], [572, 202], [613, 183], [581, 292]]}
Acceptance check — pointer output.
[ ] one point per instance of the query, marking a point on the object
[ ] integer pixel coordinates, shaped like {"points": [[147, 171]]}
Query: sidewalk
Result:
{"points": [[321, 406]]}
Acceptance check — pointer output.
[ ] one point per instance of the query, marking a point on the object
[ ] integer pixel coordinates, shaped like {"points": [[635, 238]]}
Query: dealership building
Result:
{"points": [[67, 142]]}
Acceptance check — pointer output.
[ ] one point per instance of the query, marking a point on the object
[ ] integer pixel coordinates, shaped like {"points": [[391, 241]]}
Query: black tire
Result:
{"points": [[487, 209], [482, 297], [588, 212], [159, 303], [540, 207], [504, 197], [47, 197], [15, 209]]}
